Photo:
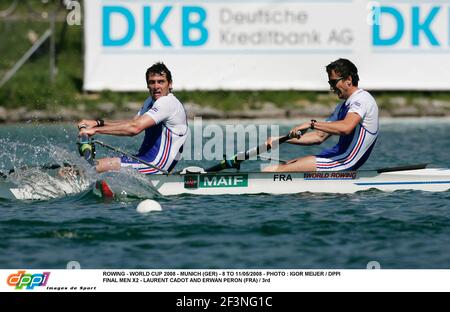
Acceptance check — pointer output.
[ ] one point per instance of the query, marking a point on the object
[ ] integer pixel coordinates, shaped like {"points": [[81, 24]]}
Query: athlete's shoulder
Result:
{"points": [[363, 97], [169, 99], [366, 95]]}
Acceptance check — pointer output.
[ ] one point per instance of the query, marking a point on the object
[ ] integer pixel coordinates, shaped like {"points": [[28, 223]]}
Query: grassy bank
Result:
{"points": [[31, 89]]}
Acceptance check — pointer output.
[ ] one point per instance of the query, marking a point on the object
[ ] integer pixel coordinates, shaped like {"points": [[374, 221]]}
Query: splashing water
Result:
{"points": [[132, 183], [39, 185], [23, 165], [28, 177]]}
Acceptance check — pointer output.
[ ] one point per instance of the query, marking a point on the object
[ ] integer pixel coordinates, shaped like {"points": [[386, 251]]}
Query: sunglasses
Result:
{"points": [[333, 82]]}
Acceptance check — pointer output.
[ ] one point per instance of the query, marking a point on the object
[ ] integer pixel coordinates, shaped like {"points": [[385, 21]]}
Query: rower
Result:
{"points": [[162, 117], [355, 120]]}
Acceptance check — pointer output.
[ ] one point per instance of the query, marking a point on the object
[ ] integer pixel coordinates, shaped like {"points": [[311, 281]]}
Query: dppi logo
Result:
{"points": [[193, 30], [421, 25], [21, 279]]}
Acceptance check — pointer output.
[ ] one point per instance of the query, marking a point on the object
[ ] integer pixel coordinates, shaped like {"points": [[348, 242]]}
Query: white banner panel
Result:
{"points": [[264, 44], [229, 280]]}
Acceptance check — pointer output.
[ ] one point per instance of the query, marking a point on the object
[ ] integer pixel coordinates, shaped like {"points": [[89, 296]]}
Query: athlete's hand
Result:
{"points": [[301, 128], [87, 123], [271, 141]]}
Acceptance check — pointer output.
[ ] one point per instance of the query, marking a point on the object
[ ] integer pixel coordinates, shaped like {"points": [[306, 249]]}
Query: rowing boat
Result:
{"points": [[198, 182], [416, 177], [214, 181]]}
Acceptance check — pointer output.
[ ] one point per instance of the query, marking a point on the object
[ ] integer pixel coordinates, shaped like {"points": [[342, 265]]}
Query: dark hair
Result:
{"points": [[344, 68], [158, 68]]}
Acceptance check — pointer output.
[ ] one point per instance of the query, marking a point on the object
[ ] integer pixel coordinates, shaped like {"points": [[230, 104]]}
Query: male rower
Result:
{"points": [[163, 119], [355, 120]]}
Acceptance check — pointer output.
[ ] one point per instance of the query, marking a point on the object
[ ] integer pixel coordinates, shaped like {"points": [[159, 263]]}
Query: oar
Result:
{"points": [[235, 162], [87, 151], [41, 167], [131, 156], [86, 148]]}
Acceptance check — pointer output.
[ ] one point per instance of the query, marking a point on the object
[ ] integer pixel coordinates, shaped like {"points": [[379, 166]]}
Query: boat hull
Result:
{"points": [[432, 180], [428, 179]]}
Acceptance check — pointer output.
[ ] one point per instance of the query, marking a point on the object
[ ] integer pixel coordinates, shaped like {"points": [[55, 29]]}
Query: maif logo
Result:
{"points": [[21, 279]]}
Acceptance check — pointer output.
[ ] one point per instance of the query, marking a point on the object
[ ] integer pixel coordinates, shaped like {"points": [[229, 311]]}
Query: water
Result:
{"points": [[405, 229]]}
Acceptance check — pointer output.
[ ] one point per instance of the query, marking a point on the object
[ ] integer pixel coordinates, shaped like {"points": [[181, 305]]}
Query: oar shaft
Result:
{"points": [[41, 167], [260, 149], [240, 157]]}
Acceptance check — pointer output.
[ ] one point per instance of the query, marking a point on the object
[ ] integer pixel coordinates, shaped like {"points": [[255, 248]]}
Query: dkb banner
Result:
{"points": [[263, 44]]}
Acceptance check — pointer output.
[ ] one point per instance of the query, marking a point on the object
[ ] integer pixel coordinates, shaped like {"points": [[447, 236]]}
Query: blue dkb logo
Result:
{"points": [[193, 18]]}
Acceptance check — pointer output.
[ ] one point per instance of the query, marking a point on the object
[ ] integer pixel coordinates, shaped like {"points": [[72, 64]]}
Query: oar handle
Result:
{"points": [[85, 147], [293, 135]]}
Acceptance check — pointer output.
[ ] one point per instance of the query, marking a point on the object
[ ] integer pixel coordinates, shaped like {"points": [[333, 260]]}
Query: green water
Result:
{"points": [[406, 229]]}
